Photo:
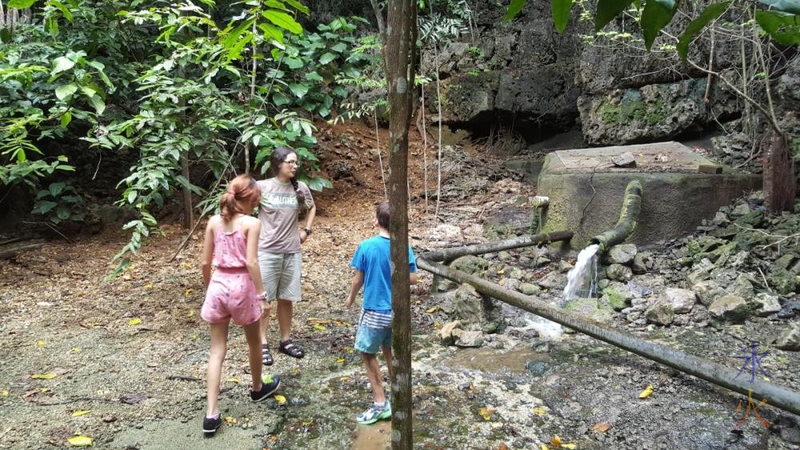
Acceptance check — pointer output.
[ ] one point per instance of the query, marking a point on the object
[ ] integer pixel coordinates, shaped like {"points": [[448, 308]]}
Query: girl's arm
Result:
{"points": [[253, 232], [208, 252]]}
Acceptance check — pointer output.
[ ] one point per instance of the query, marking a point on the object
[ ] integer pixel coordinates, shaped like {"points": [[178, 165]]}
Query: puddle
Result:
{"points": [[490, 360]]}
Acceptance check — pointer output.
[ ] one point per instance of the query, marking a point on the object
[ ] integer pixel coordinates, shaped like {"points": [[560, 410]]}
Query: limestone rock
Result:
{"points": [[618, 272], [446, 333], [660, 313], [783, 281], [468, 338], [621, 254], [766, 304], [552, 280], [742, 287], [707, 291], [624, 160], [681, 300], [529, 289], [470, 264], [729, 307], [590, 308], [642, 263], [789, 338], [617, 295]]}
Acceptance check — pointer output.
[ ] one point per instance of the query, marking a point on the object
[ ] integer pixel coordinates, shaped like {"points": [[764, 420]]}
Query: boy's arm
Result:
{"points": [[358, 282]]}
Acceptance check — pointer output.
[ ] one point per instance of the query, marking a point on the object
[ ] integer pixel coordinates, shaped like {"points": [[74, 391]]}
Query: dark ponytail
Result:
{"points": [[275, 161]]}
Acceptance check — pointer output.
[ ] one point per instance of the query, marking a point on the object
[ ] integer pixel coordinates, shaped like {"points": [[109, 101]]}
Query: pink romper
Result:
{"points": [[231, 293]]}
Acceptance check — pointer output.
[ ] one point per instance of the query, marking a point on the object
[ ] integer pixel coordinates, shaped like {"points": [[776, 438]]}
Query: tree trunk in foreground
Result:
{"points": [[398, 57], [780, 184]]}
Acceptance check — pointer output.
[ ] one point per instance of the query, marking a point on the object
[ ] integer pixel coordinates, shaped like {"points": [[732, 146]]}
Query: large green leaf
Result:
{"points": [[297, 5], [271, 32], [283, 20], [784, 28], [657, 14], [62, 63], [98, 103], [560, 10], [607, 10], [43, 207], [293, 63], [20, 4], [299, 89], [65, 90], [56, 188], [696, 26], [280, 99], [787, 6], [513, 9], [326, 58]]}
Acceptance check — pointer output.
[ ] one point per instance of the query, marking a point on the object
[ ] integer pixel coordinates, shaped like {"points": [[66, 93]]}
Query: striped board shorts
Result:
{"points": [[374, 331]]}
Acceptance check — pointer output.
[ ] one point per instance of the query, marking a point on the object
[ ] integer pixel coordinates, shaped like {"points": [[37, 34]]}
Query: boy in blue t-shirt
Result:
{"points": [[373, 271]]}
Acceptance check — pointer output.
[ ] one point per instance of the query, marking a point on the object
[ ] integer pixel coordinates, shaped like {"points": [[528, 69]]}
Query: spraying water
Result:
{"points": [[582, 279]]}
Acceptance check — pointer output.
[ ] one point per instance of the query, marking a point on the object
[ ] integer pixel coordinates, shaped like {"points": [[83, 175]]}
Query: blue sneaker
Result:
{"points": [[374, 414]]}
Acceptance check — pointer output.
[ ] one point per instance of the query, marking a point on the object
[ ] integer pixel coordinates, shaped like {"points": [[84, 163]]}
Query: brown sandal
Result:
{"points": [[287, 347], [266, 355]]}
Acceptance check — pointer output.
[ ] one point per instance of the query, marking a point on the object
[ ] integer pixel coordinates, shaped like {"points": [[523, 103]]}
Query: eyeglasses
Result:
{"points": [[292, 162]]}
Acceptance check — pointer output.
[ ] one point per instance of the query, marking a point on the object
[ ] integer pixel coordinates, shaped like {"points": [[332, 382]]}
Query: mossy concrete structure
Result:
{"points": [[586, 191]]}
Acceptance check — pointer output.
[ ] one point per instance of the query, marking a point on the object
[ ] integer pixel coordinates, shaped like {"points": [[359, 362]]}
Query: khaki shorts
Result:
{"points": [[280, 274]]}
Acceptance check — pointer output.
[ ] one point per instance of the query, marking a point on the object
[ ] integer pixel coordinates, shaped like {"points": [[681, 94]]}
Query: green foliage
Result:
{"points": [[656, 15], [710, 14], [560, 10], [607, 10], [59, 202]]}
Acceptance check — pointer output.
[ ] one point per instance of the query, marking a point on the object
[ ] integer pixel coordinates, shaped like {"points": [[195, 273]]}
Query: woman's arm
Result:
{"points": [[312, 212], [253, 232]]}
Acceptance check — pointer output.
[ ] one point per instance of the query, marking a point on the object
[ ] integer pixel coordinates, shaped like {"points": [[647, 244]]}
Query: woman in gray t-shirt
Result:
{"points": [[282, 197]]}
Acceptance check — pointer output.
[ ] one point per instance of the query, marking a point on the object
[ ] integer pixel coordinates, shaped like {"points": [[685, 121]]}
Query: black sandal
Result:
{"points": [[289, 348], [266, 356]]}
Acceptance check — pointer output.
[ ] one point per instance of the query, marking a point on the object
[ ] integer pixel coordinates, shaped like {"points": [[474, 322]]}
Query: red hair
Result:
{"points": [[241, 193]]}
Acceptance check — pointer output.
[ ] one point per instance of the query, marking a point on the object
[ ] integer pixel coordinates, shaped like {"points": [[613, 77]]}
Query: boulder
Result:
{"points": [[590, 308], [680, 300], [789, 338], [782, 281], [661, 313], [473, 310], [470, 264], [621, 254], [618, 272], [446, 333], [642, 263], [529, 289], [742, 287], [765, 304], [617, 295], [468, 338], [707, 291], [731, 308], [552, 280]]}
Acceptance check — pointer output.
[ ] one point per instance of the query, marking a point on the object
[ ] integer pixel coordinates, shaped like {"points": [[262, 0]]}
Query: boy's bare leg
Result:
{"points": [[387, 354], [285, 311], [253, 334], [219, 344], [374, 376]]}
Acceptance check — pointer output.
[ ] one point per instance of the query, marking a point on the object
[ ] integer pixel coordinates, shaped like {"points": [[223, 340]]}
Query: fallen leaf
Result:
{"points": [[148, 286], [646, 392], [344, 379], [81, 412], [189, 292], [41, 343], [44, 376], [5, 393], [80, 441], [75, 350], [486, 413], [539, 411], [340, 360], [601, 427], [234, 380], [569, 446], [280, 399], [544, 447], [230, 420], [319, 327], [191, 313], [44, 390], [432, 309], [556, 441], [135, 321], [502, 446], [501, 271]]}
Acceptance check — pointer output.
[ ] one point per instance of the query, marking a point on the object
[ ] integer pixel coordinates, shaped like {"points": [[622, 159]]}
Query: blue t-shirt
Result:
{"points": [[373, 259]]}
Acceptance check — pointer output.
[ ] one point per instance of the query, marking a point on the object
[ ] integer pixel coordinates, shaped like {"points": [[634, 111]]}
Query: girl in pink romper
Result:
{"points": [[233, 290]]}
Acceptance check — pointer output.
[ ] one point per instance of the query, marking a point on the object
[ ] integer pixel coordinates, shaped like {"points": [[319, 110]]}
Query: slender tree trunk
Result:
{"points": [[188, 209], [398, 53], [378, 17], [780, 184]]}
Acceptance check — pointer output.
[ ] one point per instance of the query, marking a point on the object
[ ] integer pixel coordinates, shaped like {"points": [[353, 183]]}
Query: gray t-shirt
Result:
{"points": [[278, 214]]}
